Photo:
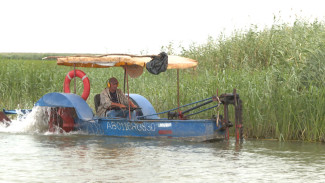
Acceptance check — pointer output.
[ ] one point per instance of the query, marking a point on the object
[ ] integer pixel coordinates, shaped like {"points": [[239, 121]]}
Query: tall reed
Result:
{"points": [[279, 73]]}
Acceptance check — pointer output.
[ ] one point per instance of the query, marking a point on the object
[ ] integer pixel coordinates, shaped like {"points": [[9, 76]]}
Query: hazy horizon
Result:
{"points": [[126, 26]]}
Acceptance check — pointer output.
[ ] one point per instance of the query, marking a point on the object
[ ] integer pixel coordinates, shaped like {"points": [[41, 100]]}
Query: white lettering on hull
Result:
{"points": [[131, 126]]}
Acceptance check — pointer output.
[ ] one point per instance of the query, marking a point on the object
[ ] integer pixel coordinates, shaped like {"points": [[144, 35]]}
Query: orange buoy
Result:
{"points": [[80, 74]]}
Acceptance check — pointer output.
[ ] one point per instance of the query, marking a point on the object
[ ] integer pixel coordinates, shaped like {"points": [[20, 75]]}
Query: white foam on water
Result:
{"points": [[34, 122]]}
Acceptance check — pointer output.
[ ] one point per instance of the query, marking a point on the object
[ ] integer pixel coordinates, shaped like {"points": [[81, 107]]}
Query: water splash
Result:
{"points": [[34, 122]]}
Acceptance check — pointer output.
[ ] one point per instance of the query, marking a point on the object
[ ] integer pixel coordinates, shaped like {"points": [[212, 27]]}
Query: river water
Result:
{"points": [[31, 155]]}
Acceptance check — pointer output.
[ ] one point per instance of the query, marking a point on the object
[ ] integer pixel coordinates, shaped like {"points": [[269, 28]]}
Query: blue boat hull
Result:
{"points": [[150, 127], [193, 130]]}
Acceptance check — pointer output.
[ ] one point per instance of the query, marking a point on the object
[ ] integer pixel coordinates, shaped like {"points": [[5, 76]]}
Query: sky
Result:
{"points": [[136, 26]]}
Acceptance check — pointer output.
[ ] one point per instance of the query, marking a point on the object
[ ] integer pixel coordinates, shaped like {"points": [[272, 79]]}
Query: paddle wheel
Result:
{"points": [[62, 118]]}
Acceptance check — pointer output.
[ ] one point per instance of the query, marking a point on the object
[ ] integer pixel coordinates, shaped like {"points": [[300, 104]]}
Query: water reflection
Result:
{"points": [[85, 158]]}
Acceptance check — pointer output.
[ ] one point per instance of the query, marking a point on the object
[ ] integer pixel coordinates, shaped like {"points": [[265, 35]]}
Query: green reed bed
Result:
{"points": [[279, 73]]}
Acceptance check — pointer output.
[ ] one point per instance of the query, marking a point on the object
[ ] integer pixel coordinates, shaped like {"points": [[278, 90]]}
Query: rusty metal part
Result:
{"points": [[232, 98], [4, 119]]}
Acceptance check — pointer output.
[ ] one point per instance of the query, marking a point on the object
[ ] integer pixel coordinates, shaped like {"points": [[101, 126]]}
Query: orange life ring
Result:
{"points": [[80, 74]]}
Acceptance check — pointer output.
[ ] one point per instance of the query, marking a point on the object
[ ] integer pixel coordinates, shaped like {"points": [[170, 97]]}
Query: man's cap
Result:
{"points": [[112, 80]]}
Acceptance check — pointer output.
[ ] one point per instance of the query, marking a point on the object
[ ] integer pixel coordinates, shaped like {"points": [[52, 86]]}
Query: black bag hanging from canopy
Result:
{"points": [[158, 64]]}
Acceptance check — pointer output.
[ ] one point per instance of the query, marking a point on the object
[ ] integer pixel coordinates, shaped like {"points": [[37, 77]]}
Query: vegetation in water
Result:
{"points": [[279, 73]]}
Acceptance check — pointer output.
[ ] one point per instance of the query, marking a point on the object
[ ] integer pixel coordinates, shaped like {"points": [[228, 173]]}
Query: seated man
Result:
{"points": [[112, 100]]}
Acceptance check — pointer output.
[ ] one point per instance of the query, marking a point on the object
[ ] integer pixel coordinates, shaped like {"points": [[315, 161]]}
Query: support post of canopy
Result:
{"points": [[178, 92], [74, 78], [124, 79], [127, 87]]}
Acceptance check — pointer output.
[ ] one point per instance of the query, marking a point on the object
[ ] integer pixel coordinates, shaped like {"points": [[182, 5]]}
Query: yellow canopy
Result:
{"points": [[174, 62]]}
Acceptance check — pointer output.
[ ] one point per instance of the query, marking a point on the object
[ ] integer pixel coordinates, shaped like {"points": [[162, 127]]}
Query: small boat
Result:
{"points": [[70, 112]]}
